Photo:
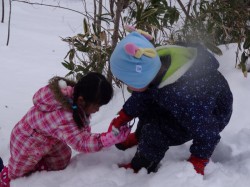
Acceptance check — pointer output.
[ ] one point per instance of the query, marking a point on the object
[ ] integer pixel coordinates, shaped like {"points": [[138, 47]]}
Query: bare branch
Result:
{"points": [[55, 6], [189, 5], [95, 13], [119, 8], [184, 9], [8, 38], [2, 11], [99, 17], [112, 8]]}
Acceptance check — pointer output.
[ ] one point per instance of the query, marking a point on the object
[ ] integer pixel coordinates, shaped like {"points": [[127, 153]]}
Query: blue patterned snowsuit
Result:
{"points": [[196, 107]]}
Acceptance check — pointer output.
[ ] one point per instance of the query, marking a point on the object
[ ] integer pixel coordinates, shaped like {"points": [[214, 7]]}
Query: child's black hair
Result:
{"points": [[95, 89]]}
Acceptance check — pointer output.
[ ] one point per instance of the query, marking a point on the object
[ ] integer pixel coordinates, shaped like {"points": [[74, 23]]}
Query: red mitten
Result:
{"points": [[129, 142], [198, 163], [119, 121]]}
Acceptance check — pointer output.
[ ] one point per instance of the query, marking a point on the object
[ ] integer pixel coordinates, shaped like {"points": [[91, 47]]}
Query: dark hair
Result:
{"points": [[95, 89]]}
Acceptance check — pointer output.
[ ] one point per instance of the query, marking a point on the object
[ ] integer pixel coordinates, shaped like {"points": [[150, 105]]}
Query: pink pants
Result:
{"points": [[57, 159], [29, 155]]}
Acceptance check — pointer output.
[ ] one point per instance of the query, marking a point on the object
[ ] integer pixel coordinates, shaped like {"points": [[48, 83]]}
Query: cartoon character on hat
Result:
{"points": [[135, 61]]}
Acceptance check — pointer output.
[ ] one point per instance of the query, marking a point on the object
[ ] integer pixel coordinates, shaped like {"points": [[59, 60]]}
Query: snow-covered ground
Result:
{"points": [[35, 54]]}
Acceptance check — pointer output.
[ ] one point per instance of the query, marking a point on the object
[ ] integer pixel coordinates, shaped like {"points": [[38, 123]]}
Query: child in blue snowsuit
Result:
{"points": [[178, 95]]}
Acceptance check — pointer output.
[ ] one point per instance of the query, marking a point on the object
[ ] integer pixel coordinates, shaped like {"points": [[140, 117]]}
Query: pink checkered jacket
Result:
{"points": [[49, 122]]}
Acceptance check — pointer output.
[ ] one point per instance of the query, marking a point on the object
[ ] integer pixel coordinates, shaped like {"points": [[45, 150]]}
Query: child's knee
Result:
{"points": [[65, 162], [59, 161]]}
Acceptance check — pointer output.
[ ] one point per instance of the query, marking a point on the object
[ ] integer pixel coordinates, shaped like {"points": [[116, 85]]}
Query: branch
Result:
{"points": [[119, 8], [95, 20], [189, 5], [111, 4], [184, 9], [2, 11], [8, 38], [99, 22], [55, 6]]}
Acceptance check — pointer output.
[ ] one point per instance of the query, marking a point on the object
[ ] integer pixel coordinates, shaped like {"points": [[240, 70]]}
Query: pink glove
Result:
{"points": [[110, 138]]}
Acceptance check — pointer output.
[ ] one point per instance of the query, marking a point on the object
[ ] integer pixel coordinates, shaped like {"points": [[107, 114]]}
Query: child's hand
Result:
{"points": [[198, 163], [119, 121], [110, 138]]}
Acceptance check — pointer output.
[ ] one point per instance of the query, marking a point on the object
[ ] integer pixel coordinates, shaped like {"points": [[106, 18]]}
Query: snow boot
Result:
{"points": [[139, 161], [127, 166], [4, 178]]}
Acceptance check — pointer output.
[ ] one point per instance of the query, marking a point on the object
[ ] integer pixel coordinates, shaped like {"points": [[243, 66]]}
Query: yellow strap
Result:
{"points": [[149, 52]]}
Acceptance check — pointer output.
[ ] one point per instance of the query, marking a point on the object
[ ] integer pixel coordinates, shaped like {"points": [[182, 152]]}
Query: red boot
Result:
{"points": [[127, 166], [4, 178], [128, 143]]}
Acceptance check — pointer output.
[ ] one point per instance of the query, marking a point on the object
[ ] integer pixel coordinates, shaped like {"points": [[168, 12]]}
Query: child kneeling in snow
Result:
{"points": [[178, 95], [59, 119]]}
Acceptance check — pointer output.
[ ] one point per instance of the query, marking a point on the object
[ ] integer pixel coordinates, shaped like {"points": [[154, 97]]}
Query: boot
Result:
{"points": [[4, 178], [127, 166], [128, 143], [1, 164], [139, 161]]}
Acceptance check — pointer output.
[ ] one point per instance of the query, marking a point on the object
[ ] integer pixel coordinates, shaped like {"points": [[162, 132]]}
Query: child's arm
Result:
{"points": [[111, 138], [82, 140]]}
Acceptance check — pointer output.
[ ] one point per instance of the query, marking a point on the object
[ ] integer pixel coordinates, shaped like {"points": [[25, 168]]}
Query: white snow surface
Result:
{"points": [[34, 55]]}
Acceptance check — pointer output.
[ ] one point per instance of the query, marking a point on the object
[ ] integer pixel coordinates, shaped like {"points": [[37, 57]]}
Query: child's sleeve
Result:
{"points": [[81, 140], [86, 142]]}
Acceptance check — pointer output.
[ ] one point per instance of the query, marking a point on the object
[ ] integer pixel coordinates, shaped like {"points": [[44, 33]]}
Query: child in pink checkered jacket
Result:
{"points": [[59, 119]]}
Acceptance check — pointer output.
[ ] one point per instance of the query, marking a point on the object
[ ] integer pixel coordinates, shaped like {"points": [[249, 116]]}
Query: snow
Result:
{"points": [[34, 55]]}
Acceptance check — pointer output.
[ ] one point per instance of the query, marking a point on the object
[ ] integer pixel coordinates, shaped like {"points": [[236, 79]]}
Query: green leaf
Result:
{"points": [[85, 26], [244, 58], [79, 76], [210, 26], [67, 54], [213, 48], [148, 13], [246, 44], [94, 28], [139, 12], [68, 65], [71, 55], [70, 73]]}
